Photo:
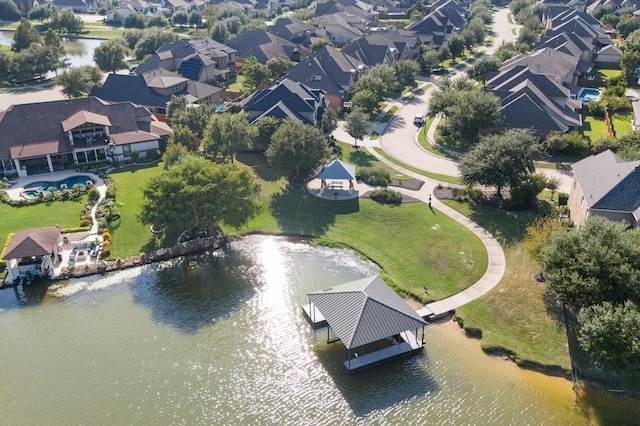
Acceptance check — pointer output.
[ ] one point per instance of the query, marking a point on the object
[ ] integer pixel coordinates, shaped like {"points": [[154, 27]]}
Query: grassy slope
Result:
{"points": [[514, 315]]}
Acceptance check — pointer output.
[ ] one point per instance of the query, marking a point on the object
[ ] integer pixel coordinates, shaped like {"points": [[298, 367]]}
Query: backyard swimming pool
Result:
{"points": [[31, 190], [588, 95]]}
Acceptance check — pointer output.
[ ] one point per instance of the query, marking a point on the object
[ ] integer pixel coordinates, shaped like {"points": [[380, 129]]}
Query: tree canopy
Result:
{"points": [[358, 125], [298, 146], [598, 262], [255, 74], [500, 160], [77, 82], [226, 134], [26, 35], [109, 56], [198, 191]]}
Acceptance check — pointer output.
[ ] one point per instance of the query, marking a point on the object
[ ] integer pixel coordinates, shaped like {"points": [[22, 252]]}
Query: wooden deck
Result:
{"points": [[315, 318], [408, 346]]}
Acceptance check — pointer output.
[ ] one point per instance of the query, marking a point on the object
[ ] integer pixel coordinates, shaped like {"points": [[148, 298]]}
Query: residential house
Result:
{"points": [[330, 70], [76, 6], [48, 136], [605, 185], [154, 89], [293, 30], [533, 101], [286, 99], [203, 60], [357, 13], [266, 46], [32, 253], [570, 44], [373, 49], [171, 6], [446, 17], [407, 43], [556, 65], [338, 29], [556, 16], [608, 56]]}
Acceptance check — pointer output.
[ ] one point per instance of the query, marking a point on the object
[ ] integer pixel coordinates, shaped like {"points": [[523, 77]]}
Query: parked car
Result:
{"points": [[440, 71], [418, 120]]}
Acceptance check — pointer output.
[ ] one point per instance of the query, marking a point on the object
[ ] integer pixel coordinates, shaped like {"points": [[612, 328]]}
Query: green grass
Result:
{"points": [[362, 158], [66, 214], [130, 237], [424, 142], [593, 127], [621, 123], [437, 176], [389, 114], [605, 74], [510, 18], [238, 85], [514, 315], [514, 32], [374, 136]]}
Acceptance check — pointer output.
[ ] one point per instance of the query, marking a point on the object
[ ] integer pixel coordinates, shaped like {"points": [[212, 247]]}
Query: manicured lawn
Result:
{"points": [[514, 315], [621, 123], [594, 127], [605, 74], [443, 178], [389, 114], [362, 158], [130, 237], [66, 214], [422, 140]]}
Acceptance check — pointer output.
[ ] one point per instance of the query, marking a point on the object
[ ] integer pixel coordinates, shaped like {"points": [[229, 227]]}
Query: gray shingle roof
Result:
{"points": [[608, 182], [265, 46], [338, 169], [365, 311]]}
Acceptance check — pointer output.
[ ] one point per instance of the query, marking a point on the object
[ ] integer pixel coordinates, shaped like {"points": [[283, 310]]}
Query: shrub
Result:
{"points": [[467, 194], [562, 198], [524, 195], [135, 154], [374, 176], [106, 235], [94, 194], [76, 229], [386, 196], [597, 108], [106, 251], [153, 155]]}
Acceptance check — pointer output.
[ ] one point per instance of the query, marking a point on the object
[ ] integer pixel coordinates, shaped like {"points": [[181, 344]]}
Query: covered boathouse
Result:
{"points": [[372, 321]]}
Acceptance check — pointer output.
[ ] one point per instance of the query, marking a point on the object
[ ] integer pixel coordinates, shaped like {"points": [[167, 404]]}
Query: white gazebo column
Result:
{"points": [[75, 157], [21, 172], [49, 162]]}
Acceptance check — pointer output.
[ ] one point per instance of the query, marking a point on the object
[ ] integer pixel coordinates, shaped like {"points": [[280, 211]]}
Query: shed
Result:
{"points": [[372, 321]]}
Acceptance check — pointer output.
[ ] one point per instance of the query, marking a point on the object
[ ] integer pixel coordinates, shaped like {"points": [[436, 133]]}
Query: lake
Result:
{"points": [[220, 339]]}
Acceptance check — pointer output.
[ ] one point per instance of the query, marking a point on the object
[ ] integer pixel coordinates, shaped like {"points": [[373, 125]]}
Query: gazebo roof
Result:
{"points": [[338, 169], [364, 311], [32, 242]]}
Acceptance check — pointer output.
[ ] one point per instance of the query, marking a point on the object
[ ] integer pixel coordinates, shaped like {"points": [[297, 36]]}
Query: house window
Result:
{"points": [[126, 151], [176, 88], [82, 157], [7, 165]]}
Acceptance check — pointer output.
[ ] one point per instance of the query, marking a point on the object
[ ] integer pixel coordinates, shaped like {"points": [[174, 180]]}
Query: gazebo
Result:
{"points": [[32, 252], [335, 172], [372, 321]]}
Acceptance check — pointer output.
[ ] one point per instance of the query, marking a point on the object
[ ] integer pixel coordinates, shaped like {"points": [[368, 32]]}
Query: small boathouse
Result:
{"points": [[372, 321]]}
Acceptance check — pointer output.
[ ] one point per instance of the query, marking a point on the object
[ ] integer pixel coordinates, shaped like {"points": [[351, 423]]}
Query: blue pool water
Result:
{"points": [[31, 190], [588, 95]]}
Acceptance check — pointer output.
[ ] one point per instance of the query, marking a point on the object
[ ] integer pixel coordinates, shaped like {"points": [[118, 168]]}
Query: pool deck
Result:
{"points": [[15, 191]]}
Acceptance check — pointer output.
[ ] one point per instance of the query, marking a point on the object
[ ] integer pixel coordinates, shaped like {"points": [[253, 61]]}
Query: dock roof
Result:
{"points": [[364, 311]]}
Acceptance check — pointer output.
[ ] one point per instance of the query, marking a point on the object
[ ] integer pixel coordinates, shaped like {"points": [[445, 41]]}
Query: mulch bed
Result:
{"points": [[412, 185]]}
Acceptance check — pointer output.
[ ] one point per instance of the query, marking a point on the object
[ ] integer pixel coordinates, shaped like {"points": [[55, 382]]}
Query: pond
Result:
{"points": [[220, 339], [79, 51]]}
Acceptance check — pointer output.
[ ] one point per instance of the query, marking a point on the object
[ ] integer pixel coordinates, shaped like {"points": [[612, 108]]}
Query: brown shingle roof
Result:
{"points": [[32, 242], [83, 117]]}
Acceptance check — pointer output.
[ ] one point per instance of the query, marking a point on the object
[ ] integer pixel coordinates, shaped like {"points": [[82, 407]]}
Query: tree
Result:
{"points": [[196, 191], [429, 58], [226, 134], [385, 73], [632, 42], [174, 154], [329, 121], [68, 22], [109, 56], [373, 84], [320, 44], [278, 67], [610, 334], [455, 43], [265, 128], [135, 20], [9, 11], [629, 62], [555, 142], [180, 17], [151, 40], [473, 111], [77, 82], [627, 24], [25, 35], [298, 146], [41, 13], [406, 71], [183, 135], [195, 18], [598, 262], [505, 51], [132, 36], [444, 53], [539, 233], [366, 100], [255, 74], [500, 160], [219, 31], [357, 125], [482, 68], [157, 20], [193, 117], [553, 183]]}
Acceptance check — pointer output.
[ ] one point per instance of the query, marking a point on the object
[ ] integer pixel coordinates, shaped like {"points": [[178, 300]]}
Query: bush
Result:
{"points": [[597, 108], [94, 194], [524, 195], [562, 198], [386, 196], [467, 194], [374, 176], [75, 229], [153, 155]]}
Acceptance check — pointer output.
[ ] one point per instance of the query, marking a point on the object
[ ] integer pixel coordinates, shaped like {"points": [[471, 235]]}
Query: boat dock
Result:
{"points": [[313, 315], [408, 345]]}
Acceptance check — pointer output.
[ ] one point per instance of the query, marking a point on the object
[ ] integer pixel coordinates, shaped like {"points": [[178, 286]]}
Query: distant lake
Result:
{"points": [[79, 51]]}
